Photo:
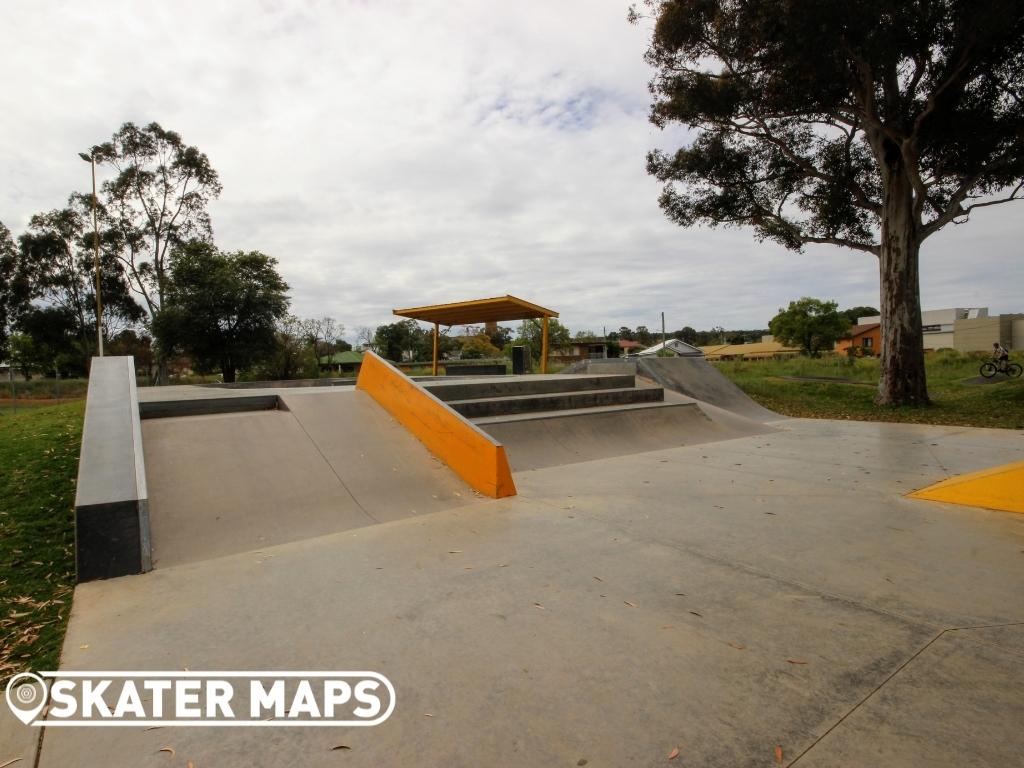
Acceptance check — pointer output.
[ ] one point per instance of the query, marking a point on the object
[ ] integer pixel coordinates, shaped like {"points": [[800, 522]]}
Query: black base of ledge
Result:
{"points": [[108, 541]]}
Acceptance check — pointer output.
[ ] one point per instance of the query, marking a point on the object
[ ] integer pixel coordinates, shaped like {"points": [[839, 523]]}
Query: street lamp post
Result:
{"points": [[91, 159]]}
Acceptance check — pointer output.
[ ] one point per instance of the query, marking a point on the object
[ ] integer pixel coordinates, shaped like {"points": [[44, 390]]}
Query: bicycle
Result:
{"points": [[992, 367]]}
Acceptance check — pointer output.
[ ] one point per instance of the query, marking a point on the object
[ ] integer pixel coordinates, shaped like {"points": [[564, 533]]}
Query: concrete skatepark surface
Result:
{"points": [[768, 588], [234, 482]]}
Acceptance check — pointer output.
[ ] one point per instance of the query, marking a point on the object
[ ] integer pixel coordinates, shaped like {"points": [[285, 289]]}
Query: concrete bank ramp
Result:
{"points": [[535, 441], [323, 462], [697, 378]]}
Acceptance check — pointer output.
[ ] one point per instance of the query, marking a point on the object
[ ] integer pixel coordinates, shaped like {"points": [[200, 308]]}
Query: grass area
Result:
{"points": [[43, 389], [957, 398], [39, 455]]}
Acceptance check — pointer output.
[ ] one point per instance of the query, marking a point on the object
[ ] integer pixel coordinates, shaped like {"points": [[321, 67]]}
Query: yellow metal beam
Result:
{"points": [[999, 487], [544, 345], [437, 333]]}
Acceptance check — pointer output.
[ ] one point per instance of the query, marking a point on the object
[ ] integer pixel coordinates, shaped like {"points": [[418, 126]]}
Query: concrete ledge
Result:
{"points": [[283, 383], [112, 535], [525, 385], [498, 406], [470, 452], [162, 409], [497, 369]]}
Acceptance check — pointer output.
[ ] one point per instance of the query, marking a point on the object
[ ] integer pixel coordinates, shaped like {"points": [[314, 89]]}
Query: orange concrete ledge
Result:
{"points": [[471, 453], [999, 487]]}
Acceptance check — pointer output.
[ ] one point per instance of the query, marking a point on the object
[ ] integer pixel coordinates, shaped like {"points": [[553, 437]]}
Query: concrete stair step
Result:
{"points": [[557, 401], [525, 385], [569, 413]]}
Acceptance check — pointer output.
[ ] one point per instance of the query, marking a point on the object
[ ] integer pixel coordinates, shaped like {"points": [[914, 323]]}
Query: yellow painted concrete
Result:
{"points": [[472, 454], [999, 487]]}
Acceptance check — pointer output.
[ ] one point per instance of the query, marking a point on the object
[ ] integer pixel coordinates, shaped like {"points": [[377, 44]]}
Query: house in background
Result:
{"points": [[867, 338], [966, 329], [759, 350], [629, 347], [580, 349], [675, 346], [342, 362]]}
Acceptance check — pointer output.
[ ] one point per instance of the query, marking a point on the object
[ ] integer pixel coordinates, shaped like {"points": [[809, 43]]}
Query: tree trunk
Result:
{"points": [[902, 379], [160, 378], [228, 372]]}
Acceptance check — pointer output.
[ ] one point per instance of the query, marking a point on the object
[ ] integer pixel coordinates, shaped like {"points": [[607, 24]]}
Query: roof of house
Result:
{"points": [[858, 330], [347, 356], [477, 311], [757, 349], [627, 344], [676, 345], [713, 348]]}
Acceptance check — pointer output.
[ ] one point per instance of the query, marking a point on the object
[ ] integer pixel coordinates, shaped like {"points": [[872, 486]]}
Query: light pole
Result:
{"points": [[91, 159]]}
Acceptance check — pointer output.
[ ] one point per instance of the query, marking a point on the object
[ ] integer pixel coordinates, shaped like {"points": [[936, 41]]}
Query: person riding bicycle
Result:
{"points": [[1001, 355]]}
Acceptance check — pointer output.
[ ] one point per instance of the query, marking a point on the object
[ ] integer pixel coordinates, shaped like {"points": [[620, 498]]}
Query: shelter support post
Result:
{"points": [[437, 340], [544, 345]]}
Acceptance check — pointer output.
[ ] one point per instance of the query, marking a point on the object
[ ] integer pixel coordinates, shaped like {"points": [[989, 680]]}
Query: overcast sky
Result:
{"points": [[393, 154]]}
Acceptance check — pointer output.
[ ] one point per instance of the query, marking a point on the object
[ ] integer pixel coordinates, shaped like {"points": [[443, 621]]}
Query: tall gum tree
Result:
{"points": [[155, 203], [869, 125]]}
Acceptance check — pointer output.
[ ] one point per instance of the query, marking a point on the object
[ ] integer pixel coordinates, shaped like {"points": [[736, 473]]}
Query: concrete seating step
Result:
{"points": [[525, 385], [555, 401], [530, 416]]}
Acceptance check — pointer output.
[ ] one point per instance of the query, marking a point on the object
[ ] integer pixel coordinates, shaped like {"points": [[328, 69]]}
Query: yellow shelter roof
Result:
{"points": [[757, 349], [491, 310]]}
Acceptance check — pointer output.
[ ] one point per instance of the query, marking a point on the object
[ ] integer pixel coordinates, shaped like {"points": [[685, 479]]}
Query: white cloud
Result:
{"points": [[400, 153]]}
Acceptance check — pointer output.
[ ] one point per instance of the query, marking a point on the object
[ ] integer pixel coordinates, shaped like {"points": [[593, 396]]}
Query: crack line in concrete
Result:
{"points": [[987, 643], [333, 470], [871, 693], [893, 674], [751, 570]]}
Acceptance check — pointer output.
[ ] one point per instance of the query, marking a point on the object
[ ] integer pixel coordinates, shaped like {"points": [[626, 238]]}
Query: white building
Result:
{"points": [[677, 347], [966, 329]]}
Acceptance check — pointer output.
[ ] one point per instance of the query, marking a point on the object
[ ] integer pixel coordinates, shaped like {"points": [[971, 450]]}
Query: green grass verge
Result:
{"points": [[39, 455], [956, 397]]}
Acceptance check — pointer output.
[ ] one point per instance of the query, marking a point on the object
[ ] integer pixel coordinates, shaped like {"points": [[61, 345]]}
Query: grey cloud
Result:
{"points": [[395, 154]]}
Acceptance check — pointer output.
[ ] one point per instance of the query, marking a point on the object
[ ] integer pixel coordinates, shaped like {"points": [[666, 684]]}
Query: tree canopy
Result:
{"points": [[13, 291], [531, 333], [811, 324], [221, 308], [56, 263], [869, 125], [156, 202]]}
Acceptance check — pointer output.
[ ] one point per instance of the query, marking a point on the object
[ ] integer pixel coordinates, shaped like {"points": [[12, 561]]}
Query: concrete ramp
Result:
{"points": [[697, 378], [542, 440], [323, 462]]}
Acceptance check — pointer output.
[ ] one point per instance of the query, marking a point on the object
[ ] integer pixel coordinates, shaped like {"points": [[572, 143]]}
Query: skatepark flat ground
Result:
{"points": [[723, 598]]}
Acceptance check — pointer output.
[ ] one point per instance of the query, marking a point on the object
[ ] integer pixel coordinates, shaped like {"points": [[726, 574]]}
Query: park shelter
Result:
{"points": [[494, 310]]}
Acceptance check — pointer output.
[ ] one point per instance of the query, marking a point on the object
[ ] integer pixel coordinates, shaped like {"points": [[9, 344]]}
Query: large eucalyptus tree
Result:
{"points": [[868, 124]]}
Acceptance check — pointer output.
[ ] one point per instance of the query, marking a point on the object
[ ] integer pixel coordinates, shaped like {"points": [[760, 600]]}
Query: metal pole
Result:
{"points": [[662, 331], [437, 334], [96, 261], [544, 345]]}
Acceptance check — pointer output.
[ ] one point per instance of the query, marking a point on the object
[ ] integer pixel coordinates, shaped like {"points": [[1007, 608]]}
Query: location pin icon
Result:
{"points": [[26, 696]]}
